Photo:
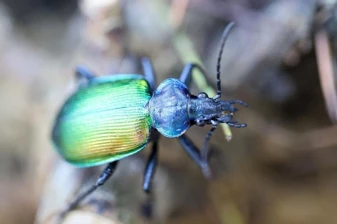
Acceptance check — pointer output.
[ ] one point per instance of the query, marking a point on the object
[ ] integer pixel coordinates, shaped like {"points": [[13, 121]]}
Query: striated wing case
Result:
{"points": [[105, 121]]}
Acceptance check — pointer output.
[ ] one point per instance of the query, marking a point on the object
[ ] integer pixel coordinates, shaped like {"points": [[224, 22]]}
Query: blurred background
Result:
{"points": [[280, 58]]}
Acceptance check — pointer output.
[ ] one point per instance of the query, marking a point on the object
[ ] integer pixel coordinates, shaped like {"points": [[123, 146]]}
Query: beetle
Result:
{"points": [[112, 117]]}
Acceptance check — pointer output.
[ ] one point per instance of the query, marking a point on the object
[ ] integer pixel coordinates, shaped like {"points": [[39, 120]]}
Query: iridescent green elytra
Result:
{"points": [[104, 121]]}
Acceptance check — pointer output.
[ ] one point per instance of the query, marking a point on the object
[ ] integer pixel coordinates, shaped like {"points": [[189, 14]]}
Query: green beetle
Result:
{"points": [[111, 117]]}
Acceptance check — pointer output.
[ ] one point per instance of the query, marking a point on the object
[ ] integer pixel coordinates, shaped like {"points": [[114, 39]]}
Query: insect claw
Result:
{"points": [[206, 170], [243, 125]]}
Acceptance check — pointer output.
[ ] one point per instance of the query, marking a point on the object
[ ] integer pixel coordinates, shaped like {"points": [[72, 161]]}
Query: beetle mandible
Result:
{"points": [[114, 116]]}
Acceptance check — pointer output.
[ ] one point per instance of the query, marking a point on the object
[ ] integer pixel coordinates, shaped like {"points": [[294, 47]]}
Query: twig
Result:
{"points": [[326, 73], [177, 12]]}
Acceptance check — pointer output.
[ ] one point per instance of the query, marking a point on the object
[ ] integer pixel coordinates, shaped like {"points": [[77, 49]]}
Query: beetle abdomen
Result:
{"points": [[168, 108], [105, 121]]}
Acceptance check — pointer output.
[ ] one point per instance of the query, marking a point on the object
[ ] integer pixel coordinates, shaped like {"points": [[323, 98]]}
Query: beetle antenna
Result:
{"points": [[205, 149], [223, 41]]}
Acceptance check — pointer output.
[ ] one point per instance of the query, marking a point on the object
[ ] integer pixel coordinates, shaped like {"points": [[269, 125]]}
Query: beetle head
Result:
{"points": [[226, 111], [215, 111]]}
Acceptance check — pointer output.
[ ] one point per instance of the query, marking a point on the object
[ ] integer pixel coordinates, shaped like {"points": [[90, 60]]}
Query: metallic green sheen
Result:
{"points": [[104, 121]]}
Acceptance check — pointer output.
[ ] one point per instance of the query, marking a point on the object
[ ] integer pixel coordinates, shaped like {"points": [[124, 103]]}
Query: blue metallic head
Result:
{"points": [[204, 110]]}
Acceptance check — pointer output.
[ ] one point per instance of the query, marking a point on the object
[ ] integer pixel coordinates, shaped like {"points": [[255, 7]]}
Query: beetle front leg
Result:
{"points": [[205, 149], [105, 175], [150, 168], [83, 75], [194, 153], [83, 72], [186, 74], [149, 72]]}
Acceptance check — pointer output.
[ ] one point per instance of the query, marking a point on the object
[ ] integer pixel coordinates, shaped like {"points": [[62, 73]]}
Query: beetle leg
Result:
{"points": [[83, 72], [150, 168], [105, 175], [149, 72], [205, 149], [186, 74], [83, 76], [239, 102], [194, 153]]}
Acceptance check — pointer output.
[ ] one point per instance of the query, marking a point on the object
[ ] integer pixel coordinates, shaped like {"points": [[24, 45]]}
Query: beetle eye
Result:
{"points": [[202, 95]]}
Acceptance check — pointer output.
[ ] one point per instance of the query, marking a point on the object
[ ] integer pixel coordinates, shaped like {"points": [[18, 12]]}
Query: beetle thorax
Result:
{"points": [[168, 108]]}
